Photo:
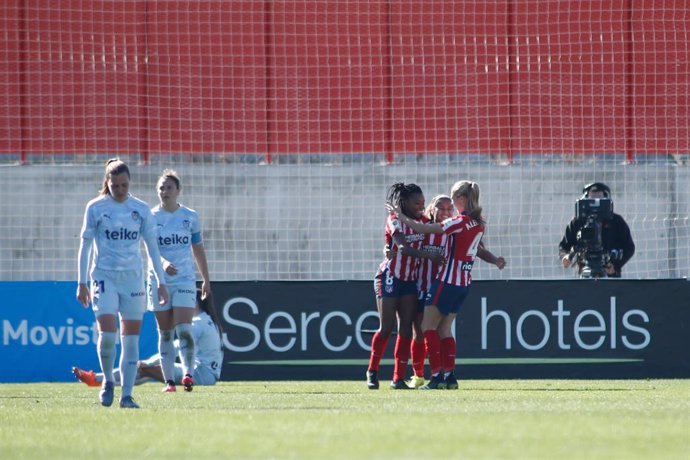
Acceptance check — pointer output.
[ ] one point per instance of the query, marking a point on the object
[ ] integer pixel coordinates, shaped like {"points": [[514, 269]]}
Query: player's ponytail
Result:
{"points": [[206, 305], [470, 190], [113, 167], [394, 193]]}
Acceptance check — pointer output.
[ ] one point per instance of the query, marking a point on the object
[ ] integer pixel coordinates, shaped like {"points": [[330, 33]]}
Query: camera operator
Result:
{"points": [[616, 241]]}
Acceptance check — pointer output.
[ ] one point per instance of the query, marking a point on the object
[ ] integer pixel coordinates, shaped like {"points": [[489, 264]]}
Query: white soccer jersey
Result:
{"points": [[117, 229], [209, 353], [176, 232]]}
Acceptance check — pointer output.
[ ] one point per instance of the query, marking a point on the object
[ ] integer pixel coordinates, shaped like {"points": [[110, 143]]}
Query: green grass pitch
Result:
{"points": [[485, 419]]}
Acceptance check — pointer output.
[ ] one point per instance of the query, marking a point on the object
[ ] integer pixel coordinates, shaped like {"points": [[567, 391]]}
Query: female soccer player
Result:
{"points": [[450, 289], [395, 283], [180, 244], [208, 359], [117, 222], [440, 209]]}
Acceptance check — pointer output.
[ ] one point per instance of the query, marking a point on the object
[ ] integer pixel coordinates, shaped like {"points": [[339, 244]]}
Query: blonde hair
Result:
{"points": [[470, 190], [430, 211], [113, 167]]}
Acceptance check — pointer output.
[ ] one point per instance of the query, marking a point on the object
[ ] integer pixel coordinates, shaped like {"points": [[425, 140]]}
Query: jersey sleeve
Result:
{"points": [[148, 231], [196, 229], [88, 233], [197, 328], [88, 228], [83, 262], [393, 225], [453, 224]]}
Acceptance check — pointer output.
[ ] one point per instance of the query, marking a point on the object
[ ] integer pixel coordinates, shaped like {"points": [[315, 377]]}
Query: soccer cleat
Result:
{"points": [[451, 382], [399, 385], [169, 387], [126, 402], [107, 393], [87, 377], [188, 382], [373, 380], [436, 383], [415, 382]]}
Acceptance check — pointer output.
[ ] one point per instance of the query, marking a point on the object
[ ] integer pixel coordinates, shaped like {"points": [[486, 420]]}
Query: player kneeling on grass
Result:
{"points": [[208, 358]]}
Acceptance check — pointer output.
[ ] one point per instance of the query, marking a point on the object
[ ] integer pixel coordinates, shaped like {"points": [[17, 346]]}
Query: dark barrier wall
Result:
{"points": [[322, 330], [506, 329]]}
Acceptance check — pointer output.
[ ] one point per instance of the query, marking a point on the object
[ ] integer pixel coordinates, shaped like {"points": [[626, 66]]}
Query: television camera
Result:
{"points": [[592, 213]]}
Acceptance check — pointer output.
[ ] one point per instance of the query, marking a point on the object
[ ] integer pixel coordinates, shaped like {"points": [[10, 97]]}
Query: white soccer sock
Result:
{"points": [[128, 362], [166, 348], [106, 353], [117, 377], [187, 351]]}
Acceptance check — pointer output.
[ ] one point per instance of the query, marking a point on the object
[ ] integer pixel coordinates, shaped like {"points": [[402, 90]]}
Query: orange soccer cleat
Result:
{"points": [[87, 377]]}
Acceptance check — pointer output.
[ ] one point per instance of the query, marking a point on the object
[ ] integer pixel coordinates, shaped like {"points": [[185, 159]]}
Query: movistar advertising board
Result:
{"points": [[322, 330], [45, 332]]}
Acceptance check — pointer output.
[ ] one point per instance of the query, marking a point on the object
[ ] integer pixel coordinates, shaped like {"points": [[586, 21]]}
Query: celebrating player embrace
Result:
{"points": [[395, 283], [450, 288]]}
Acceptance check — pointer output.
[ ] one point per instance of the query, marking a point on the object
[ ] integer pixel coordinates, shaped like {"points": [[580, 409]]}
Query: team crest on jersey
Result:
{"points": [[186, 224], [389, 289], [135, 216]]}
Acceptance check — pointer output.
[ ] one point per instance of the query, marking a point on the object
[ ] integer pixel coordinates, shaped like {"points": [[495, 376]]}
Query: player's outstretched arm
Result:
{"points": [[418, 227], [405, 249], [489, 257]]}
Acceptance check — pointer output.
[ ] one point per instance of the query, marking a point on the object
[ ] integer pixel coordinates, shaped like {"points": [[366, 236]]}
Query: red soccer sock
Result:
{"points": [[378, 347], [418, 353], [448, 354], [402, 356], [433, 350]]}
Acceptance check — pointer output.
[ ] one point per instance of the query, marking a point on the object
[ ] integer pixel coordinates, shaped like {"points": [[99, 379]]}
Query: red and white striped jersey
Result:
{"points": [[401, 266], [428, 271], [464, 236]]}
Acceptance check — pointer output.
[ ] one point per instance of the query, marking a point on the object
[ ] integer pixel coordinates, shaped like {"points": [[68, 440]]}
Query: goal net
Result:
{"points": [[288, 121]]}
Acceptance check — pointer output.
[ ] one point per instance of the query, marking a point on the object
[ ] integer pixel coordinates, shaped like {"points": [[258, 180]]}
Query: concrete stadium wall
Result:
{"points": [[315, 221]]}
